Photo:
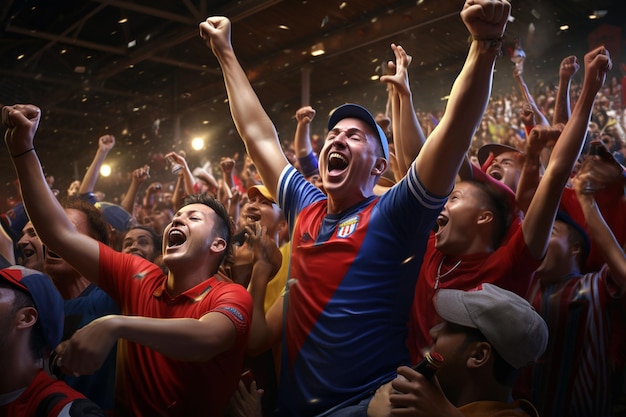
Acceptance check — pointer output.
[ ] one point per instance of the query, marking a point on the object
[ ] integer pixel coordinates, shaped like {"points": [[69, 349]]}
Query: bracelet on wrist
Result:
{"points": [[495, 44], [22, 153]]}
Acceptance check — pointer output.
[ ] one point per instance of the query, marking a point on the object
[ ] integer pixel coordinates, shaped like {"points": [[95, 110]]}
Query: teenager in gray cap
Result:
{"points": [[487, 335]]}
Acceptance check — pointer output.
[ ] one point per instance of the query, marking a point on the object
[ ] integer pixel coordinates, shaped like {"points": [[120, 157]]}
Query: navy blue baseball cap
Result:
{"points": [[562, 215], [351, 110], [48, 300], [114, 214]]}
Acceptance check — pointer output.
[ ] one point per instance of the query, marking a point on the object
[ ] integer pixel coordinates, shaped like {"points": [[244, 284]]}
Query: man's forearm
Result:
{"points": [[453, 135], [252, 122], [562, 104], [183, 339], [93, 172]]}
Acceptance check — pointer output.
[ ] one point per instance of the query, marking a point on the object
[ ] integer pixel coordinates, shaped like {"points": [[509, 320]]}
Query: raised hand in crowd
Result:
{"points": [[105, 144], [137, 177], [227, 186], [562, 105], [540, 138], [595, 174], [538, 117], [307, 160], [407, 133], [185, 179]]}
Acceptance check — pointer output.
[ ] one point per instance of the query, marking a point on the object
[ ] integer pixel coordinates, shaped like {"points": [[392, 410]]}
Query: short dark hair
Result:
{"points": [[222, 228], [499, 206], [22, 300], [98, 227], [503, 372]]}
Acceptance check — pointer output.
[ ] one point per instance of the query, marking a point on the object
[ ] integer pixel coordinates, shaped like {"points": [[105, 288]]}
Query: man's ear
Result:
{"points": [[26, 317], [485, 216], [218, 245], [480, 355], [380, 167]]}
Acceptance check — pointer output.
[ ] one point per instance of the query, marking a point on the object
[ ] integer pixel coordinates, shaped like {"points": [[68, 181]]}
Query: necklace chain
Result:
{"points": [[445, 274]]}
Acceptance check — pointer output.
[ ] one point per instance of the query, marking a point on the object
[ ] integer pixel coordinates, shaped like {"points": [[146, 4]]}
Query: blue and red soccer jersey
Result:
{"points": [[352, 280]]}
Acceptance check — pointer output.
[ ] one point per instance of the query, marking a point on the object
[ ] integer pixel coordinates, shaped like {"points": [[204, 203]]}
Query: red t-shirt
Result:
{"points": [[45, 396], [509, 267], [151, 384]]}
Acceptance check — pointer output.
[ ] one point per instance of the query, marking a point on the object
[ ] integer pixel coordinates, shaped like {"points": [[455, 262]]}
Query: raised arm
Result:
{"points": [[185, 172], [393, 106], [599, 230], [532, 167], [302, 137], [137, 177], [105, 144], [408, 137], [302, 141], [227, 187], [45, 212], [569, 67], [539, 118], [537, 224], [441, 156], [201, 174], [251, 120]]}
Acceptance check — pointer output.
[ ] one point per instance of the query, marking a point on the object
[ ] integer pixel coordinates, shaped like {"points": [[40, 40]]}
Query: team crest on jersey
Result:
{"points": [[347, 227]]}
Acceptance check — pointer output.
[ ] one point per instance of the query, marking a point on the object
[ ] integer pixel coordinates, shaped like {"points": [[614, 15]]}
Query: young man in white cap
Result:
{"points": [[487, 335]]}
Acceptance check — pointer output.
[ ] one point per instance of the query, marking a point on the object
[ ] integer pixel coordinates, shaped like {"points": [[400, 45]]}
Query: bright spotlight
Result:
{"points": [[197, 143], [105, 170]]}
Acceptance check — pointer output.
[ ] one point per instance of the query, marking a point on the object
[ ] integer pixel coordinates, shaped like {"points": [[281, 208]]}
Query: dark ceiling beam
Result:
{"points": [[62, 111], [344, 40], [242, 10], [357, 36], [66, 83], [185, 65], [6, 7], [65, 39], [150, 11], [192, 9], [71, 28], [143, 54], [118, 51], [392, 22], [247, 8]]}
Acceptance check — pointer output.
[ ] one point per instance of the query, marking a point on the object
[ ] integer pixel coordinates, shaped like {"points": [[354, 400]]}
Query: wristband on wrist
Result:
{"points": [[22, 153], [495, 44]]}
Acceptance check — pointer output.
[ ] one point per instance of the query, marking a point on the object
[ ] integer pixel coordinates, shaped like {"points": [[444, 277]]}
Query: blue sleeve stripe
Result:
{"points": [[421, 194]]}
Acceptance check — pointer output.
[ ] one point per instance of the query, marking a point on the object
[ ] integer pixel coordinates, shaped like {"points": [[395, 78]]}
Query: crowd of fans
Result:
{"points": [[307, 279]]}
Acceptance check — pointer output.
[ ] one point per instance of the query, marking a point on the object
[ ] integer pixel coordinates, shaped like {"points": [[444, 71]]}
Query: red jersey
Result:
{"points": [[510, 267], [47, 397], [573, 376], [151, 384]]}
